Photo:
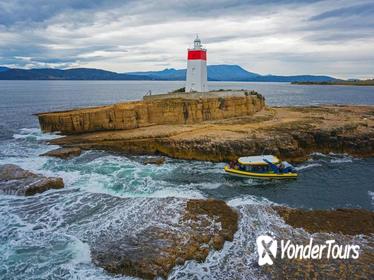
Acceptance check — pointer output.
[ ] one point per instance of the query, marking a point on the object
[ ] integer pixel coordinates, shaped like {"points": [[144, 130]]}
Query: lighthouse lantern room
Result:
{"points": [[196, 80]]}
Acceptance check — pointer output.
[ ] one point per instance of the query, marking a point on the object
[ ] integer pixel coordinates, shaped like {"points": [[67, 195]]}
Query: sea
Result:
{"points": [[42, 237]]}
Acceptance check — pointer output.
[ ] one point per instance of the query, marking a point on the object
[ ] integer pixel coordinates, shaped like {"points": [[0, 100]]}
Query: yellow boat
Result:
{"points": [[263, 167]]}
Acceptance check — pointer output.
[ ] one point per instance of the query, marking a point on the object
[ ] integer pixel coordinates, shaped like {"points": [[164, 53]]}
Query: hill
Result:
{"points": [[69, 74], [220, 72], [223, 72]]}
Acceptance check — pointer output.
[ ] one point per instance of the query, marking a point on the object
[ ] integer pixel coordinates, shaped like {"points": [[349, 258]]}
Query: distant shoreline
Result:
{"points": [[339, 83]]}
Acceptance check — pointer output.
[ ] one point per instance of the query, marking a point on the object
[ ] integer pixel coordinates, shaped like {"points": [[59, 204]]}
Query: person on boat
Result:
{"points": [[234, 164], [281, 167]]}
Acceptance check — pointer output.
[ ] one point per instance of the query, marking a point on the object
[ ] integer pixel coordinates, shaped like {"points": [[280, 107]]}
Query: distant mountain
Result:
{"points": [[215, 73], [166, 74], [69, 74], [229, 73], [235, 73]]}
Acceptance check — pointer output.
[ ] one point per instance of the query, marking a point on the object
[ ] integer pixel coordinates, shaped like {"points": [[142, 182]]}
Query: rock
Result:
{"points": [[17, 181], [343, 221], [154, 160], [63, 153], [174, 109], [343, 226], [291, 133], [157, 248]]}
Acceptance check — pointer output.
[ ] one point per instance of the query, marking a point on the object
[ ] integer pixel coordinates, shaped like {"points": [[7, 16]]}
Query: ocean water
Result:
{"points": [[45, 236]]}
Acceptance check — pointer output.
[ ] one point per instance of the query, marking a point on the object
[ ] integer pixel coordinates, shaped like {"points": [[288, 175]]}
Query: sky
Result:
{"points": [[284, 37]]}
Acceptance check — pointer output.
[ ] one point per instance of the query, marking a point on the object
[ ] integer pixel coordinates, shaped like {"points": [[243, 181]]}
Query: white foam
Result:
{"points": [[170, 192], [31, 163], [333, 157], [371, 194], [82, 252], [202, 185], [341, 160], [307, 166], [319, 154], [119, 176], [249, 200], [35, 134]]}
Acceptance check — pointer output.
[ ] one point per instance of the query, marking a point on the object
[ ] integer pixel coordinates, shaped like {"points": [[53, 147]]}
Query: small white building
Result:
{"points": [[196, 78]]}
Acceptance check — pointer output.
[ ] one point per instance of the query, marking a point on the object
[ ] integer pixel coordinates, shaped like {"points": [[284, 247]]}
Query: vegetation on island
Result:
{"points": [[182, 89], [253, 92], [246, 92]]}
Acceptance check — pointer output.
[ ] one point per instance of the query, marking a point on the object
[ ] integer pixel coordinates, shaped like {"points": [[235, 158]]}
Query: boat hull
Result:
{"points": [[246, 174]]}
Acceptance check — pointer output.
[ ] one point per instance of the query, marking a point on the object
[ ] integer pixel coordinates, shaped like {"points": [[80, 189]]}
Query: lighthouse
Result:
{"points": [[196, 79]]}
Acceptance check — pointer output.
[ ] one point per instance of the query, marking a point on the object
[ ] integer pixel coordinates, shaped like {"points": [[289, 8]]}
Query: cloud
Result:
{"points": [[34, 11], [361, 10], [279, 37]]}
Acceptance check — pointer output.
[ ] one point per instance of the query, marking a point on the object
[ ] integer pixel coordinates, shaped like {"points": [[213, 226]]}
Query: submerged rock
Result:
{"points": [[154, 160], [16, 181], [342, 227], [156, 248], [344, 221], [63, 153]]}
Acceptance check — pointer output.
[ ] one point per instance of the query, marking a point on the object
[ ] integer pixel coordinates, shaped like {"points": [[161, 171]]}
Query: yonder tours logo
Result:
{"points": [[267, 248]]}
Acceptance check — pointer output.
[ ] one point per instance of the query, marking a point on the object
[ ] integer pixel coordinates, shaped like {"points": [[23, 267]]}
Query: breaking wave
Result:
{"points": [[35, 134], [104, 192]]}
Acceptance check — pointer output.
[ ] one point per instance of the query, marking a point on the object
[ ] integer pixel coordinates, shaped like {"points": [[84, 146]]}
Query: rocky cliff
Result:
{"points": [[292, 133], [182, 109]]}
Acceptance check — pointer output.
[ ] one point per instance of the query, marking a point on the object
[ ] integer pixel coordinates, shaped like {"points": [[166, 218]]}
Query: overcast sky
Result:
{"points": [[267, 37]]}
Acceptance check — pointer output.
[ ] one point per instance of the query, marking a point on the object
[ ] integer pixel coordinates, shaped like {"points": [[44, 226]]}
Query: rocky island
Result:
{"points": [[215, 126], [219, 126]]}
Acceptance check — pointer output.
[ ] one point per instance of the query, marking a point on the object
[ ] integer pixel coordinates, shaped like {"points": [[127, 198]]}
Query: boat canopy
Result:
{"points": [[258, 160]]}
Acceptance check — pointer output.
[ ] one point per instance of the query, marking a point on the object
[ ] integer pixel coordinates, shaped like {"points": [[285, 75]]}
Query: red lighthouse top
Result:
{"points": [[197, 52]]}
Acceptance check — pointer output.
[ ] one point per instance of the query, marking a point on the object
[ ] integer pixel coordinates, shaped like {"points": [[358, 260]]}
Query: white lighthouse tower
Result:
{"points": [[196, 68]]}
